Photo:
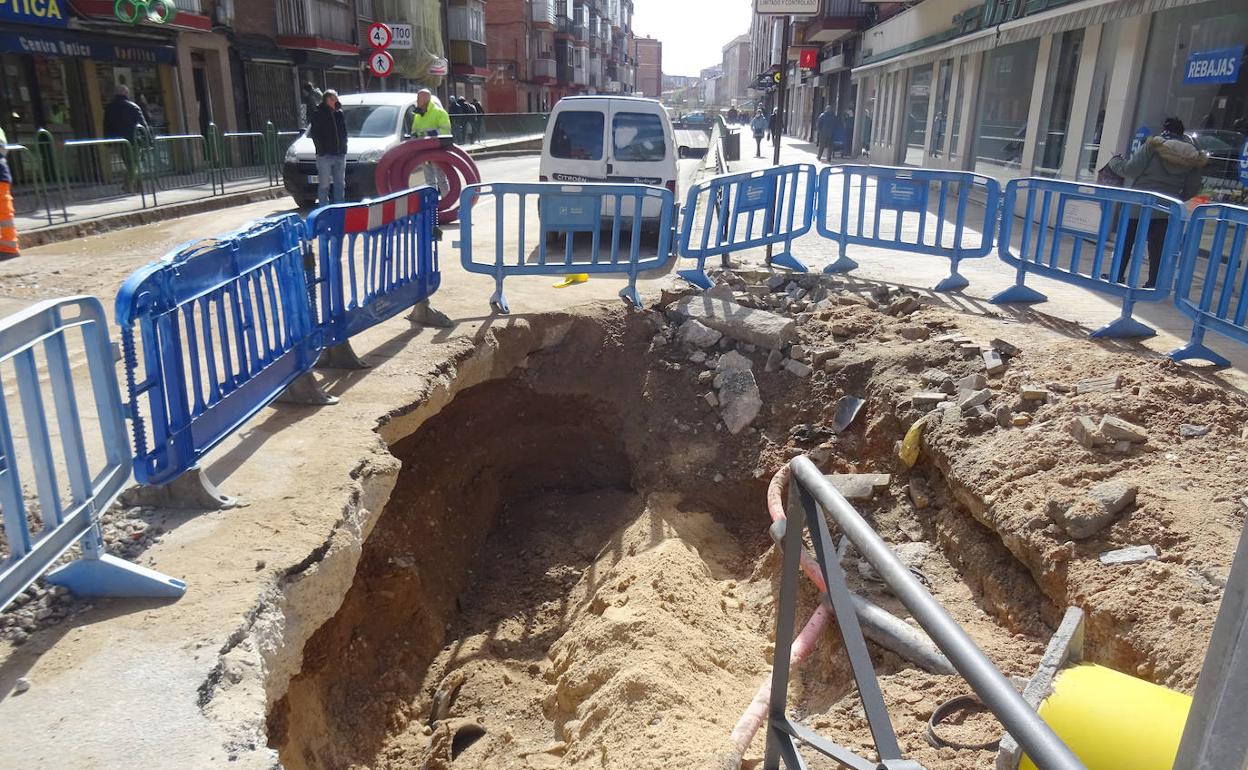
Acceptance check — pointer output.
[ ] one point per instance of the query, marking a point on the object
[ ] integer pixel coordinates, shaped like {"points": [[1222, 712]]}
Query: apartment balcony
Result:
{"points": [[544, 14], [544, 70], [317, 25], [365, 9], [580, 76]]}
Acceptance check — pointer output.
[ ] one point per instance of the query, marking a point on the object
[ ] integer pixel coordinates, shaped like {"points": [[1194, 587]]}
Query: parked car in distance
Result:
{"points": [[1224, 148], [376, 122], [615, 139]]}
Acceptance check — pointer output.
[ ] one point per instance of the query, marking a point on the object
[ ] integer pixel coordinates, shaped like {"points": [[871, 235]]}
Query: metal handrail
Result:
{"points": [[994, 690]]}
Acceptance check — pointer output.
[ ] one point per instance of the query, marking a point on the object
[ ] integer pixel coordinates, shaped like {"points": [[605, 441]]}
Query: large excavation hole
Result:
{"points": [[574, 570]]}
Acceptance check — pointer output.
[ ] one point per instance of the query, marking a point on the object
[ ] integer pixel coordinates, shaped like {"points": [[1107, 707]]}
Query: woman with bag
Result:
{"points": [[1169, 163], [759, 126]]}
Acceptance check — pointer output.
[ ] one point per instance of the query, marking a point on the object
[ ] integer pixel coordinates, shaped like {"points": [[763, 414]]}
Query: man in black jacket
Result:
{"points": [[121, 118], [328, 130]]}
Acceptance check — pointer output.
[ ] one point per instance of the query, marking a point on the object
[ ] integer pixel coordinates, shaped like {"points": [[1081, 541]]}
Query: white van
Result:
{"points": [[619, 139]]}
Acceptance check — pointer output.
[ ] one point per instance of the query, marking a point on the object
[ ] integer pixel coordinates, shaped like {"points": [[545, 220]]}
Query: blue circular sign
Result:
{"points": [[1243, 164], [1141, 135]]}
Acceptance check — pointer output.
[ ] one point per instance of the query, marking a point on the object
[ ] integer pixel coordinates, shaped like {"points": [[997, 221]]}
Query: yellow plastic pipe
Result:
{"points": [[1113, 721], [572, 279]]}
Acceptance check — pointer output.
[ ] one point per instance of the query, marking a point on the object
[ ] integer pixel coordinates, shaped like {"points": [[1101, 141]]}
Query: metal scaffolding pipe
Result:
{"points": [[1037, 739]]}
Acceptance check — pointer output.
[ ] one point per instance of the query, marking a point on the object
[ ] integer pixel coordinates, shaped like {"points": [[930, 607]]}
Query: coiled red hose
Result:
{"points": [[397, 167]]}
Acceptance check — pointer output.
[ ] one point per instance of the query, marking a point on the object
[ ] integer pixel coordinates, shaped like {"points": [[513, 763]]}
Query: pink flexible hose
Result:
{"points": [[756, 713], [396, 167]]}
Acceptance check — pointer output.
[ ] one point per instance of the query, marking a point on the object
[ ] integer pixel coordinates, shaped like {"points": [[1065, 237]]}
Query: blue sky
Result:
{"points": [[694, 32]]}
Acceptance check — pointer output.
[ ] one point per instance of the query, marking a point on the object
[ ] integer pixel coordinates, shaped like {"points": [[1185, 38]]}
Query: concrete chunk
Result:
{"points": [[927, 399], [733, 361], [1035, 393], [758, 327], [1118, 429], [739, 399], [1085, 432], [1099, 384], [797, 368], [934, 376], [993, 362], [1134, 554], [973, 382], [974, 398], [1005, 348], [696, 334], [859, 486], [1100, 508]]}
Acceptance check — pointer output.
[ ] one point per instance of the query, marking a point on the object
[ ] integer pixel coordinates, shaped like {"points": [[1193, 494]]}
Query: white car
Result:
{"points": [[615, 139], [376, 122]]}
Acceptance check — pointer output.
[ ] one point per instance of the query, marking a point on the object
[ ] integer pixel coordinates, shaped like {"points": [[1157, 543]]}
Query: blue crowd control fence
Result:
{"points": [[67, 435], [906, 209], [225, 326], [612, 220], [374, 260], [733, 212], [1217, 297], [1065, 223]]}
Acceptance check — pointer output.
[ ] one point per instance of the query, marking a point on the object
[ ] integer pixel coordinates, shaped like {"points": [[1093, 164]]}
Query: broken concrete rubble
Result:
{"points": [[1100, 508], [740, 401], [758, 327], [1117, 429], [859, 486], [1134, 554], [694, 333]]}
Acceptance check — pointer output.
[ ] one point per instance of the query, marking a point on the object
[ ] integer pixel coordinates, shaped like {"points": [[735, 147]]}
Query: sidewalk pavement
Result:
{"points": [[1070, 310]]}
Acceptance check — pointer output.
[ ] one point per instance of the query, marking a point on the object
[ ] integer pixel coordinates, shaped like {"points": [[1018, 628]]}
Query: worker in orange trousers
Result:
{"points": [[8, 228]]}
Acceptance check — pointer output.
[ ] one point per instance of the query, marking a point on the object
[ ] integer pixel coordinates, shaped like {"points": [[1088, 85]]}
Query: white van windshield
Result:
{"points": [[371, 121], [638, 136], [577, 136]]}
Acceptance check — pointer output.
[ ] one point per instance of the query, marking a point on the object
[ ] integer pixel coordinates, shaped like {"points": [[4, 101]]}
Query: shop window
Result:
{"points": [[1059, 92], [869, 111], [1004, 104], [918, 100], [272, 96], [955, 115], [1215, 112], [940, 121], [144, 83], [1097, 101]]}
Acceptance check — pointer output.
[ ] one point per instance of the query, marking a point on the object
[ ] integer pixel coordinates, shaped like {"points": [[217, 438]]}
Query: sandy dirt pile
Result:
{"points": [[575, 572]]}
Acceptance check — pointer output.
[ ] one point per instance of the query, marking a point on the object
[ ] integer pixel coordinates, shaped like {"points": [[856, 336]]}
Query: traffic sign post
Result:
{"points": [[380, 36], [380, 63]]}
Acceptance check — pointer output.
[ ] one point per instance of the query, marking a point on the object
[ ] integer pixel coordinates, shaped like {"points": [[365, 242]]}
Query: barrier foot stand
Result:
{"points": [[1196, 350], [425, 315], [340, 356], [1124, 328], [1018, 293], [786, 260], [306, 391], [842, 264], [498, 303], [629, 294], [955, 282], [106, 575], [192, 491], [697, 277]]}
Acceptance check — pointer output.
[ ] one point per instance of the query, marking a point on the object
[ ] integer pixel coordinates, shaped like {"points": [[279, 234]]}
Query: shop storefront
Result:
{"points": [[1059, 95], [61, 80]]}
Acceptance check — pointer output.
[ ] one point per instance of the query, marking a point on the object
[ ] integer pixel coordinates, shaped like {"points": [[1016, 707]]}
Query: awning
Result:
{"points": [[1074, 16], [51, 42]]}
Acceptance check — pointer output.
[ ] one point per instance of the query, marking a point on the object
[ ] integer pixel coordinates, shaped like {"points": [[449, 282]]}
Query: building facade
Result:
{"points": [[737, 72], [649, 55], [834, 34], [1054, 88], [543, 50]]}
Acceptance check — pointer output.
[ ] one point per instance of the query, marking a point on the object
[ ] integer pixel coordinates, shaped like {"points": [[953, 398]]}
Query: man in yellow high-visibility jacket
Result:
{"points": [[429, 118], [8, 228]]}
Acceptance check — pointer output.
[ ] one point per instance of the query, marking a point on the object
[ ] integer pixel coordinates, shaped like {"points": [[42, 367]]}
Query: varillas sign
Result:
{"points": [[1209, 67], [47, 12]]}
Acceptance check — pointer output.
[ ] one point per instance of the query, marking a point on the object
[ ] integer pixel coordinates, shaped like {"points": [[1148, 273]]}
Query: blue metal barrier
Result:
{"points": [[374, 260], [604, 213], [225, 326], [1216, 299], [774, 206], [1061, 220], [61, 349], [868, 206]]}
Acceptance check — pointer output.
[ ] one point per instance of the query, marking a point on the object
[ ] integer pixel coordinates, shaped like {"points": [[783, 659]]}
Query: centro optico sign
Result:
{"points": [[154, 11]]}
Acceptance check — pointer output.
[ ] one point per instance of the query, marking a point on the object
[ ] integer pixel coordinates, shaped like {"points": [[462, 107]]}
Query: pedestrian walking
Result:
{"points": [[759, 126], [775, 126], [1169, 163], [480, 119], [9, 246], [122, 118], [825, 133], [328, 129]]}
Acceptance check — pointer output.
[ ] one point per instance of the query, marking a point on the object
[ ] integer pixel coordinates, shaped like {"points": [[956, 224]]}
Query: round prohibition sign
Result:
{"points": [[380, 35], [380, 63]]}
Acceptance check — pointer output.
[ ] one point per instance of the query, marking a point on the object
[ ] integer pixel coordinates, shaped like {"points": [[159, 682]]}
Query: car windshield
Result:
{"points": [[371, 121], [1219, 142]]}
